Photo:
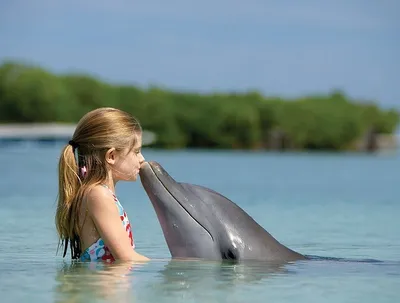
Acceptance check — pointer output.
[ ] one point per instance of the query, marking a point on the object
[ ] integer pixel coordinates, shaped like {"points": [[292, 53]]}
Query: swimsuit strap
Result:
{"points": [[104, 185], [123, 216]]}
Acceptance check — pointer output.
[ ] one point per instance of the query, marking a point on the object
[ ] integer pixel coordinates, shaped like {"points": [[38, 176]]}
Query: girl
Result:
{"points": [[105, 148]]}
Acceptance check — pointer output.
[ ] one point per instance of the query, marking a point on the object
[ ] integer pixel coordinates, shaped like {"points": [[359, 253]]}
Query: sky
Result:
{"points": [[284, 48]]}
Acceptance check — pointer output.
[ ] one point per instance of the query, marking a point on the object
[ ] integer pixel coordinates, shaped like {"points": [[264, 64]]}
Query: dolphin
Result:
{"points": [[200, 223]]}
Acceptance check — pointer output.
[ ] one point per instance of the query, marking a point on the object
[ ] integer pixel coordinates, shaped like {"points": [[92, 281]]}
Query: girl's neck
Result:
{"points": [[110, 183]]}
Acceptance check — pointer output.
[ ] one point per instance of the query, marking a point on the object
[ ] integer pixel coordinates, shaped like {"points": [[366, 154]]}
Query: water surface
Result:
{"points": [[343, 206]]}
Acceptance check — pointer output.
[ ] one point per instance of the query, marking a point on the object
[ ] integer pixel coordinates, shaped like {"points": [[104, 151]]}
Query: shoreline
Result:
{"points": [[62, 132], [11, 132]]}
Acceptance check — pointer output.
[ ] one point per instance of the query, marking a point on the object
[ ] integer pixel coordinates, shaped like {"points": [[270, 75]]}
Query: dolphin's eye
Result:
{"points": [[228, 255]]}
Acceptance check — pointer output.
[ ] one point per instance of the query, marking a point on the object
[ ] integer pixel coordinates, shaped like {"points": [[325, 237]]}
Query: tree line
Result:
{"points": [[29, 93]]}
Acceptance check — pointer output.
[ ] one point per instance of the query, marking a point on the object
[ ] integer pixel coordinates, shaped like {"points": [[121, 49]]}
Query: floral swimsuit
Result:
{"points": [[98, 251]]}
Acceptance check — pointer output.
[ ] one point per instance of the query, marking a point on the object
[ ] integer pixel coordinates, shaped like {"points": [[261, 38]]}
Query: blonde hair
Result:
{"points": [[97, 131]]}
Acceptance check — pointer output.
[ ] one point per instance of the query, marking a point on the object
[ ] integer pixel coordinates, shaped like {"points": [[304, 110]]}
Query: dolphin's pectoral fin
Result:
{"points": [[229, 255], [229, 252]]}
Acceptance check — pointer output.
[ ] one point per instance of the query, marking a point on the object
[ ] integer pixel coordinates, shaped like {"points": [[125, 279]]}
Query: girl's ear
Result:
{"points": [[110, 156]]}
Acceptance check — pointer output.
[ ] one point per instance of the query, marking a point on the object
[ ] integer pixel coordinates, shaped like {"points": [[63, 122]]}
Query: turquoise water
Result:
{"points": [[339, 206]]}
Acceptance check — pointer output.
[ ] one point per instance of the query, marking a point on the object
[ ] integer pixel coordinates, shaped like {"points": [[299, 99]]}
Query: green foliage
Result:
{"points": [[30, 94], [246, 121]]}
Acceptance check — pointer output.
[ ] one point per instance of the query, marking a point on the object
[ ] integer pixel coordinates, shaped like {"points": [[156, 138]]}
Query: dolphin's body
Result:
{"points": [[200, 223]]}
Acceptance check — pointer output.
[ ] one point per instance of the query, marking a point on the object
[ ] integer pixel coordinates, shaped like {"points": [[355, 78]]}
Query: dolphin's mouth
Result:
{"points": [[177, 200]]}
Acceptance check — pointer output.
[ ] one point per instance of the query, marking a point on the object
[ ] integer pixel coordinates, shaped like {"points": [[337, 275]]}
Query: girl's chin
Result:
{"points": [[132, 177]]}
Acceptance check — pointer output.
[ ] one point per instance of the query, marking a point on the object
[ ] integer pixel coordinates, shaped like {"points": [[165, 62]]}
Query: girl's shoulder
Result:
{"points": [[100, 196]]}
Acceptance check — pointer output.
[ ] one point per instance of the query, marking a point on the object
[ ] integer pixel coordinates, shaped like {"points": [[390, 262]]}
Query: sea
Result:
{"points": [[341, 209]]}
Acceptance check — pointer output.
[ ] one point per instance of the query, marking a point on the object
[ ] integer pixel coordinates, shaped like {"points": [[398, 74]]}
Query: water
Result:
{"points": [[339, 206]]}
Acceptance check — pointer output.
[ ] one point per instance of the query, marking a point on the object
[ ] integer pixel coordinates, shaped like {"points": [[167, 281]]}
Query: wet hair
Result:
{"points": [[96, 132]]}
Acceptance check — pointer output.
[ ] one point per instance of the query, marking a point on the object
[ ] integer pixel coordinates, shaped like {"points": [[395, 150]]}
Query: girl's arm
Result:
{"points": [[104, 213]]}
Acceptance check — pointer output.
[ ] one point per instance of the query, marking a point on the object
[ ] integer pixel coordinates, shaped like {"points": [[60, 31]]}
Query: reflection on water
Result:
{"points": [[193, 280], [184, 274], [94, 282], [209, 280], [100, 282]]}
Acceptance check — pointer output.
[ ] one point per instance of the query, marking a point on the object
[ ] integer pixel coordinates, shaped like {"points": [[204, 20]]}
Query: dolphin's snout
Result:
{"points": [[144, 164], [151, 167], [144, 167], [156, 167], [152, 164]]}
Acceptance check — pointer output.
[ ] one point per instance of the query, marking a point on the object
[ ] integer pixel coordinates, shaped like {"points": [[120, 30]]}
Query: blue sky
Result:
{"points": [[286, 48]]}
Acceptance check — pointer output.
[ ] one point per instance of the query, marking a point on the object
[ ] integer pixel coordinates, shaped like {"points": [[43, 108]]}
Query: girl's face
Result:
{"points": [[125, 165]]}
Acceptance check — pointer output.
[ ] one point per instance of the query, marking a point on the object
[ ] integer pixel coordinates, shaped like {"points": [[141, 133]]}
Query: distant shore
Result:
{"points": [[48, 132], [62, 132]]}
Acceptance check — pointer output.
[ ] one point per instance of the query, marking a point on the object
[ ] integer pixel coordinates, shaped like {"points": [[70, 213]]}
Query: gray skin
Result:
{"points": [[200, 223]]}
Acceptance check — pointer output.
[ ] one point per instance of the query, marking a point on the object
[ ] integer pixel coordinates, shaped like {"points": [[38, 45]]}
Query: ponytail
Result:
{"points": [[68, 184]]}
